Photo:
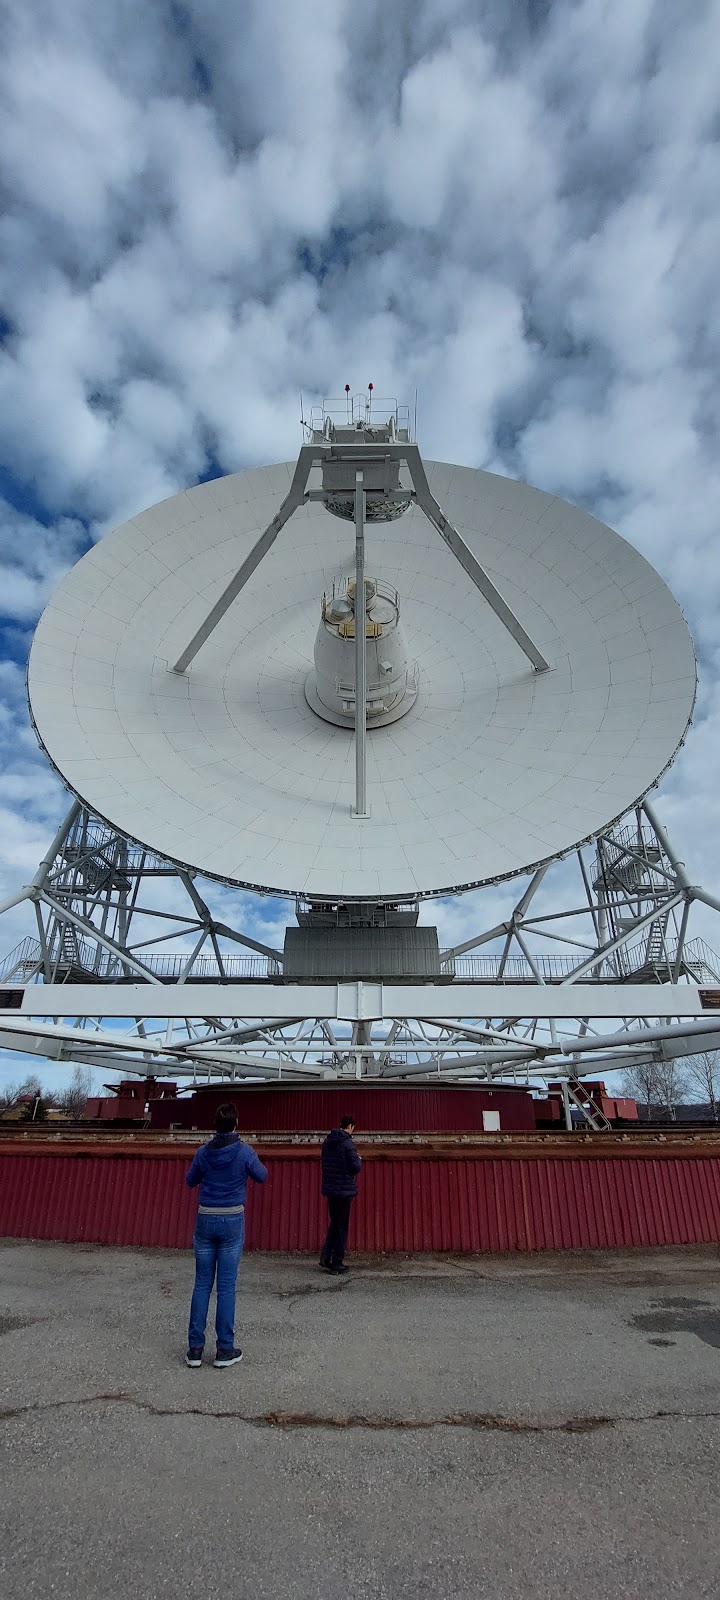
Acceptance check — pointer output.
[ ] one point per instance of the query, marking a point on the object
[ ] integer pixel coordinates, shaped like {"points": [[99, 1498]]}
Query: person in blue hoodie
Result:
{"points": [[340, 1167], [221, 1168]]}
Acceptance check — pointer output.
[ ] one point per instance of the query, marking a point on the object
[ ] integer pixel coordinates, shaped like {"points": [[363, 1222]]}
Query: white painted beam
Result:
{"points": [[354, 1002]]}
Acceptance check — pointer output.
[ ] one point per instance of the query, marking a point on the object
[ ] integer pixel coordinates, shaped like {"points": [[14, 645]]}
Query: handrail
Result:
{"points": [[88, 960]]}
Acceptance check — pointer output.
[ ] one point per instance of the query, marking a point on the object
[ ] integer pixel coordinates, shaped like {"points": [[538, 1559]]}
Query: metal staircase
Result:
{"points": [[22, 963], [582, 1100], [701, 963], [656, 956]]}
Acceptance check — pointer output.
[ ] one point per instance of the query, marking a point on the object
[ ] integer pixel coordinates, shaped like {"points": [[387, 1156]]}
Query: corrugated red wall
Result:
{"points": [[376, 1109], [409, 1199]]}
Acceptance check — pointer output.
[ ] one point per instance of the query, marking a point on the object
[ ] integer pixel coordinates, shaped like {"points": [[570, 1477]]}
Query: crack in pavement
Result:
{"points": [[311, 1288], [477, 1420]]}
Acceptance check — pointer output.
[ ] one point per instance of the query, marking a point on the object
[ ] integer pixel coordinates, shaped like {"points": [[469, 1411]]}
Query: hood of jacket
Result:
{"points": [[220, 1152], [337, 1136]]}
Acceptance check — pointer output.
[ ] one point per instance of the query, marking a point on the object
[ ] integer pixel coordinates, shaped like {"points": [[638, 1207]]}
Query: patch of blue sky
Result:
{"points": [[212, 469], [15, 641], [339, 251], [22, 494]]}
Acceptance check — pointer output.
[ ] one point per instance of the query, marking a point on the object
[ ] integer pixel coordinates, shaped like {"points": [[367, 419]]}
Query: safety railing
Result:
{"points": [[87, 960], [360, 410]]}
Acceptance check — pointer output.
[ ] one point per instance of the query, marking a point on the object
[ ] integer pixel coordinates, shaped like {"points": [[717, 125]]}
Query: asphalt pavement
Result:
{"points": [[445, 1426]]}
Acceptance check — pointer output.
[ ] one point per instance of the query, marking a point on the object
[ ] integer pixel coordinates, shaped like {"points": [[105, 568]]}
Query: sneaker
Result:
{"points": [[338, 1271], [194, 1356], [325, 1266], [227, 1358]]}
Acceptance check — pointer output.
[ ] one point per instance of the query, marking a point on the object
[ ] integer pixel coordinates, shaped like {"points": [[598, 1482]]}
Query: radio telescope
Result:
{"points": [[480, 762], [363, 680]]}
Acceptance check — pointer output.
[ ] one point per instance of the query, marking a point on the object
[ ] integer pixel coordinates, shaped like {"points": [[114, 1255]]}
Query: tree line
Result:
{"points": [[663, 1085], [669, 1084], [37, 1101]]}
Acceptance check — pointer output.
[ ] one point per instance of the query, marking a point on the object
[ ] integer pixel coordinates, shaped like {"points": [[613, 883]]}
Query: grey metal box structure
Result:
{"points": [[396, 954]]}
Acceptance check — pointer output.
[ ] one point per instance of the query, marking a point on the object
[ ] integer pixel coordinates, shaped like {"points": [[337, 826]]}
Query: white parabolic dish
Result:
{"points": [[496, 769]]}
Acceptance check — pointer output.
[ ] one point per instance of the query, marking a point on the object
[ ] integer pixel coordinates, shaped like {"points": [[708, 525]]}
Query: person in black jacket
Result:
{"points": [[340, 1167]]}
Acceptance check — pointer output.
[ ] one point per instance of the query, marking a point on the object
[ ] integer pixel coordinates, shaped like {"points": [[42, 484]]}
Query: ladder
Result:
{"points": [[655, 954], [583, 1101]]}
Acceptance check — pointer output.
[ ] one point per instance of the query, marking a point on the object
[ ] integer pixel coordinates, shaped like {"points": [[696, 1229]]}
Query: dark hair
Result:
{"points": [[347, 1122], [226, 1117]]}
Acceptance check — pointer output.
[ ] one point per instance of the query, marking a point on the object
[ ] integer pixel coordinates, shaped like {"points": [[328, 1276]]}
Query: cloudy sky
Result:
{"points": [[510, 208]]}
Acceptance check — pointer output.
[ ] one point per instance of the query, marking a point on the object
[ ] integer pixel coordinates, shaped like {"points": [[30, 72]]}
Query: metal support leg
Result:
{"points": [[665, 845], [677, 866], [464, 555], [360, 808], [30, 890], [293, 499], [433, 512]]}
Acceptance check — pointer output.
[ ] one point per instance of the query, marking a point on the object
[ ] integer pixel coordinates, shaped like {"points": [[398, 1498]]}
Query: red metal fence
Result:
{"points": [[573, 1196]]}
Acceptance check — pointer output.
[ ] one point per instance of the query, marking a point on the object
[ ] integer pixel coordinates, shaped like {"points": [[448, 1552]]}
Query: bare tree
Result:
{"points": [[673, 1084], [704, 1074], [36, 1100], [657, 1083], [32, 1086], [73, 1098], [640, 1083], [9, 1093]]}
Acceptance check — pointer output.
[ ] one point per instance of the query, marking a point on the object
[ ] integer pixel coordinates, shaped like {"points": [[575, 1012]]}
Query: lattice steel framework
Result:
{"points": [[133, 969]]}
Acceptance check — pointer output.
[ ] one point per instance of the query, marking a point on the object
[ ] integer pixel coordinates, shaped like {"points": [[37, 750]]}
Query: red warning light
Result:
{"points": [[371, 386], [347, 388]]}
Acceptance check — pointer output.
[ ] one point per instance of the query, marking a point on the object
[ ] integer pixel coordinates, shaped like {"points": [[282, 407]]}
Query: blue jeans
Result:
{"points": [[218, 1244]]}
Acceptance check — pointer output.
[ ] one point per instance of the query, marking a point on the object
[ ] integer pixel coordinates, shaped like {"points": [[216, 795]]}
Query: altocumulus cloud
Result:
{"points": [[511, 209]]}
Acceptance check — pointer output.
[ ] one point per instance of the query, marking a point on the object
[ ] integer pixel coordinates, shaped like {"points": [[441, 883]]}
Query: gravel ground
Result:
{"points": [[442, 1426]]}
